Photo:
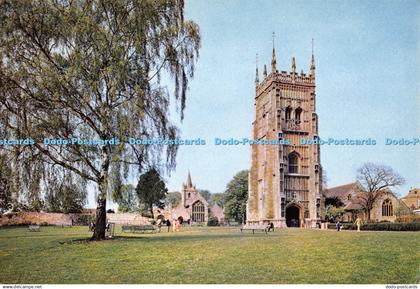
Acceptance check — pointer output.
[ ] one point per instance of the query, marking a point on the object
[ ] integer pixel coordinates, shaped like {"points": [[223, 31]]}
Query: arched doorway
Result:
{"points": [[293, 216]]}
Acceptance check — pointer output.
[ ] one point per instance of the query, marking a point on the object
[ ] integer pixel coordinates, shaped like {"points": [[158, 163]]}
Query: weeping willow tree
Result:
{"points": [[91, 70]]}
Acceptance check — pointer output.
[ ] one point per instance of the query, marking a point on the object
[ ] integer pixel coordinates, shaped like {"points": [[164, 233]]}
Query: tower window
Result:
{"points": [[288, 113], [293, 163], [298, 113]]}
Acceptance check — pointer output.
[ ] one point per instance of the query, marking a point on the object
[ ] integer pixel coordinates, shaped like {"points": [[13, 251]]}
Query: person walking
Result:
{"points": [[358, 223], [168, 224], [159, 224], [338, 226]]}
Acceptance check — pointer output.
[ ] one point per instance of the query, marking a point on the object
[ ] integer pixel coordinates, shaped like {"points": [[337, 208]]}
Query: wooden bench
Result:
{"points": [[33, 228], [254, 228], [136, 228]]}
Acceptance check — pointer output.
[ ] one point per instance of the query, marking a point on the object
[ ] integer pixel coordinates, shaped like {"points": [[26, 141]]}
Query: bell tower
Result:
{"points": [[285, 178]]}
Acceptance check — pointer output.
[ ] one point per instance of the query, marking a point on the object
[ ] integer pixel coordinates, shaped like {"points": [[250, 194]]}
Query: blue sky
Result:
{"points": [[367, 59]]}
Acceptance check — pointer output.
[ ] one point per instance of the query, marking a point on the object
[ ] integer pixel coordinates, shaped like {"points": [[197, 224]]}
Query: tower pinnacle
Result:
{"points": [[273, 58], [293, 64], [257, 78], [312, 73]]}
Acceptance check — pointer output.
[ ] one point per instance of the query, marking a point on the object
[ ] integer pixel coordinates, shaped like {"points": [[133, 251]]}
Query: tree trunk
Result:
{"points": [[368, 216], [99, 232], [151, 210]]}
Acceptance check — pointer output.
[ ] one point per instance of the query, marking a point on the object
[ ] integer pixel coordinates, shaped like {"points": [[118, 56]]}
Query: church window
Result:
{"points": [[198, 212], [387, 209], [293, 163]]}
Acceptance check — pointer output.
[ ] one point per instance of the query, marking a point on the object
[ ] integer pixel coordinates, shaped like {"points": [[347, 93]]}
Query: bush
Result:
{"points": [[384, 226], [213, 222]]}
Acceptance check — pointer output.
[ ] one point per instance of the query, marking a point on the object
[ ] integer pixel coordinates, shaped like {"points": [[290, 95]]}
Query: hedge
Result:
{"points": [[380, 226]]}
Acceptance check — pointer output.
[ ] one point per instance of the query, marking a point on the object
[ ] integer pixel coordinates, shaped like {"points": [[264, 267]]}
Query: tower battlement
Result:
{"points": [[286, 78]]}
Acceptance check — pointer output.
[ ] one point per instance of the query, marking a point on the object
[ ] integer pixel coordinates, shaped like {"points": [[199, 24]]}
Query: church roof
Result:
{"points": [[341, 191]]}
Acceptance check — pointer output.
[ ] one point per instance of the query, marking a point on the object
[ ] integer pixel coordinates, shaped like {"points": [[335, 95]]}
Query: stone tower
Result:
{"points": [[285, 178]]}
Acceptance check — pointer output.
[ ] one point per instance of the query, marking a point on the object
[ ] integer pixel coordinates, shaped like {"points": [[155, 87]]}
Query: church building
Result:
{"points": [[193, 206], [285, 177]]}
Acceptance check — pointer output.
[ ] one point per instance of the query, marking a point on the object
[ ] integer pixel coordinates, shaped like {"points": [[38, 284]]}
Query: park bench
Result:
{"points": [[137, 228], [255, 228], [33, 228]]}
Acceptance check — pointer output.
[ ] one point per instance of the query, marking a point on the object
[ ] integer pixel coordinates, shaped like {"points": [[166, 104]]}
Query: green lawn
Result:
{"points": [[210, 255]]}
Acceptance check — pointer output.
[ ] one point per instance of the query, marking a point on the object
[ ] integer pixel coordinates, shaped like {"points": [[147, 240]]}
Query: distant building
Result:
{"points": [[194, 207], [351, 195], [412, 199]]}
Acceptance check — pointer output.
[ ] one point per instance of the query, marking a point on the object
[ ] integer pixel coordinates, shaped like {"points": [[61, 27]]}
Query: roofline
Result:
{"points": [[352, 183]]}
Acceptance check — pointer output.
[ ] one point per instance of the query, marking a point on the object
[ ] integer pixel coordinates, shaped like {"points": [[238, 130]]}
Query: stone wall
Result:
{"points": [[26, 218]]}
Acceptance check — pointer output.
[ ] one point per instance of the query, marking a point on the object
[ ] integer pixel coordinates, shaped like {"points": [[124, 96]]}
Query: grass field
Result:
{"points": [[209, 255]]}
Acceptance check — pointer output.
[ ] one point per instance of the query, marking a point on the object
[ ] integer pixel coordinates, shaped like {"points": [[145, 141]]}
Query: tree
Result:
{"points": [[333, 213], [236, 196], [5, 185], [219, 199], [173, 199], [151, 190], [65, 192], [205, 194], [376, 179], [89, 72], [126, 199]]}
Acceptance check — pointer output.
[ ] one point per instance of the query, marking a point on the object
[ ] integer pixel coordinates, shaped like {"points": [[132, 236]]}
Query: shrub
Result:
{"points": [[213, 222], [383, 226]]}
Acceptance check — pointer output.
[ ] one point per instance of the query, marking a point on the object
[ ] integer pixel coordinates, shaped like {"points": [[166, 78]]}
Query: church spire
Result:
{"points": [[273, 57], [189, 182], [265, 71], [312, 73], [257, 78]]}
